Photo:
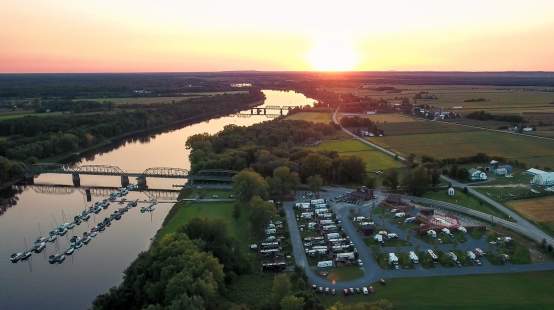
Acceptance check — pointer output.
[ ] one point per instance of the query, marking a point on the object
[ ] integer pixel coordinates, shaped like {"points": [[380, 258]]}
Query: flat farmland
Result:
{"points": [[374, 160], [441, 142], [315, 117], [157, 100], [414, 127], [540, 210], [391, 118]]}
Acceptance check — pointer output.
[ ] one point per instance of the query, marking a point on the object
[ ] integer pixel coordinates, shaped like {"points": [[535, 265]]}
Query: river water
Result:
{"points": [[93, 269]]}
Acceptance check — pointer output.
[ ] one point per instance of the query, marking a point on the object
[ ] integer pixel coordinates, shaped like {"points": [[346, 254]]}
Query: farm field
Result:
{"points": [[315, 117], [539, 210], [497, 99], [419, 127], [374, 159], [391, 118], [462, 143], [11, 115], [153, 100], [530, 290]]}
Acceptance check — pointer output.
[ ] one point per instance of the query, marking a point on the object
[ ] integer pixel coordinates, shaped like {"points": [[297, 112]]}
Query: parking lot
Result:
{"points": [[351, 226]]}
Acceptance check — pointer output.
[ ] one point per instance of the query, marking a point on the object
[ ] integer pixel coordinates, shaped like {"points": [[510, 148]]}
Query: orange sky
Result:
{"points": [[185, 35]]}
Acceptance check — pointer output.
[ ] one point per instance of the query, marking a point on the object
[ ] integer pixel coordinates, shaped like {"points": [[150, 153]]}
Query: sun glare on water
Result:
{"points": [[333, 56]]}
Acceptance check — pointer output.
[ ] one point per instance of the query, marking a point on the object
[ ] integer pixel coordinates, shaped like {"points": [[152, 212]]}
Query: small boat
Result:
{"points": [[15, 257], [52, 259], [77, 220], [85, 216], [73, 239], [97, 210], [117, 217], [52, 238], [70, 250], [70, 225], [93, 234], [86, 240], [78, 244], [38, 247]]}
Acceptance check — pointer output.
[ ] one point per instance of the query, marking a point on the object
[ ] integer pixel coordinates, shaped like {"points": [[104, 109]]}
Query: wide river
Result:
{"points": [[93, 269]]}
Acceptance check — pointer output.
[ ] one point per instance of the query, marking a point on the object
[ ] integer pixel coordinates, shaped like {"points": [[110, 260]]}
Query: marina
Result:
{"points": [[110, 247]]}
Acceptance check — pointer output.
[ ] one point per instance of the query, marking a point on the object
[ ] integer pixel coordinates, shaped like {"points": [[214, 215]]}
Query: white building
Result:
{"points": [[543, 179], [477, 175], [451, 191]]}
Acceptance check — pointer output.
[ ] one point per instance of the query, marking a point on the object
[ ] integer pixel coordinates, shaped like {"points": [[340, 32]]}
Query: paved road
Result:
{"points": [[372, 271], [525, 224]]}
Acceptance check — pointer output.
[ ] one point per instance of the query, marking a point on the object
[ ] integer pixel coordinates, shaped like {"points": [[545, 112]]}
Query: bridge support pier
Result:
{"points": [[124, 180], [141, 182], [76, 179]]}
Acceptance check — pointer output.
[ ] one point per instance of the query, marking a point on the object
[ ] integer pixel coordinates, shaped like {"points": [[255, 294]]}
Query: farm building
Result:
{"points": [[543, 179], [534, 172], [505, 170], [477, 175]]}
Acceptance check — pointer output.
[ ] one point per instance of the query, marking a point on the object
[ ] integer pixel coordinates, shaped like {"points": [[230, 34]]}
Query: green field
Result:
{"points": [[420, 127], [374, 160], [440, 145], [499, 291], [465, 200], [345, 273], [315, 117], [391, 118], [185, 211]]}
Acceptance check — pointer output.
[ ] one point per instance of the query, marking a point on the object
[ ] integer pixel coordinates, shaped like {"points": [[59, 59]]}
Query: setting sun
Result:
{"points": [[332, 56]]}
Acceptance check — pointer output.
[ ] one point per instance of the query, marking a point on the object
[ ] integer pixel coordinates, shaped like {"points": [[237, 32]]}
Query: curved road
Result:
{"points": [[540, 235]]}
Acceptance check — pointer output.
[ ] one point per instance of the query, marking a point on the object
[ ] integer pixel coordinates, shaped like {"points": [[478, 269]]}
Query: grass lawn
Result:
{"points": [[465, 200], [345, 273], [531, 290], [253, 289], [504, 194], [451, 141], [315, 117], [185, 211], [374, 160]]}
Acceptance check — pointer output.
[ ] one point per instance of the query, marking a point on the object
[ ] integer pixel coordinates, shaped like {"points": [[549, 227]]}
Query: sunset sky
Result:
{"points": [[172, 35]]}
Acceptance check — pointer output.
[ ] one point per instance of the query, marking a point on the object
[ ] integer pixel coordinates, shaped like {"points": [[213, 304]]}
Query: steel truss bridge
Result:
{"points": [[215, 175]]}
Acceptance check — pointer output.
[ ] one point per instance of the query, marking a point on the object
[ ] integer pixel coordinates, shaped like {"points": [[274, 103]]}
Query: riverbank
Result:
{"points": [[116, 141]]}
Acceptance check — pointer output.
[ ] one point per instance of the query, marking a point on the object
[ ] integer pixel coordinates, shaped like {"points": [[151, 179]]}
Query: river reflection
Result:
{"points": [[96, 267]]}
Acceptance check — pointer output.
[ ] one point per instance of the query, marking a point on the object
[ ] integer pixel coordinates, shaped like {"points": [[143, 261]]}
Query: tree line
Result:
{"points": [[281, 143], [32, 138]]}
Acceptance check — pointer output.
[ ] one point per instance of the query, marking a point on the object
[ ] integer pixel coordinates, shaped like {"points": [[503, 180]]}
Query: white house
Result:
{"points": [[477, 175]]}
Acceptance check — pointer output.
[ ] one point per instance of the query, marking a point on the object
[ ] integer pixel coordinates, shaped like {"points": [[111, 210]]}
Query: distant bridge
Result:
{"points": [[207, 175]]}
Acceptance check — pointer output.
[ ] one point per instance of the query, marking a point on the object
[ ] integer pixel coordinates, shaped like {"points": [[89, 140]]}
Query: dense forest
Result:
{"points": [[267, 146], [31, 138]]}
